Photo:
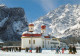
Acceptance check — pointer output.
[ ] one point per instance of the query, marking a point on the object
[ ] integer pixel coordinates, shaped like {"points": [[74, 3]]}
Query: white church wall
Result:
{"points": [[38, 42], [25, 42]]}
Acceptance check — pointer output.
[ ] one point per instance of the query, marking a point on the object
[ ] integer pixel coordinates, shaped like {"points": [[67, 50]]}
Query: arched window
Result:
{"points": [[33, 41], [29, 41], [48, 42]]}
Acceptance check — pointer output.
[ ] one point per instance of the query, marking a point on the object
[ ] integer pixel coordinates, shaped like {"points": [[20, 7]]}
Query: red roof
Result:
{"points": [[31, 24], [46, 37], [32, 35], [43, 26]]}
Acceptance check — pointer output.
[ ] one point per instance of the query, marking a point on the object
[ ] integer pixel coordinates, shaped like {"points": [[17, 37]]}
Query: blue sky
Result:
{"points": [[36, 8]]}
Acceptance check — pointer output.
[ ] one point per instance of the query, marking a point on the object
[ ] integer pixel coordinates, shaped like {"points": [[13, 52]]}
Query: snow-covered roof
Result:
{"points": [[25, 32], [34, 32], [46, 34]]}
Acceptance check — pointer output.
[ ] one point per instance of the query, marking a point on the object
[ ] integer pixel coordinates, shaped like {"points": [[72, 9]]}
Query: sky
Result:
{"points": [[34, 9]]}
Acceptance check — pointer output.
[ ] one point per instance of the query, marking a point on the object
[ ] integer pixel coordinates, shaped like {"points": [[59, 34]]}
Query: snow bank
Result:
{"points": [[44, 53]]}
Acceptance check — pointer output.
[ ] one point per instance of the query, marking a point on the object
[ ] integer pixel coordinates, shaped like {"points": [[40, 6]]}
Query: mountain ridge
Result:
{"points": [[59, 20]]}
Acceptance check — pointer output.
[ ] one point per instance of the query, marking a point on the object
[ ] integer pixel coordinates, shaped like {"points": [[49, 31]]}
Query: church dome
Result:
{"points": [[43, 26], [31, 24]]}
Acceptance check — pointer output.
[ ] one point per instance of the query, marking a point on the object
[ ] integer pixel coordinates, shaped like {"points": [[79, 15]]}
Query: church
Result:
{"points": [[31, 39]]}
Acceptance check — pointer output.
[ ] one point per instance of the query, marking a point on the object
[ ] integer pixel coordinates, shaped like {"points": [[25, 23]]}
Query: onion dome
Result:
{"points": [[31, 27], [43, 27], [31, 24]]}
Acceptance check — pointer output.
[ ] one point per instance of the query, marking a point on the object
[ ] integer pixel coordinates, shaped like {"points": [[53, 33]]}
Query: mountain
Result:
{"points": [[12, 23], [74, 31], [61, 21]]}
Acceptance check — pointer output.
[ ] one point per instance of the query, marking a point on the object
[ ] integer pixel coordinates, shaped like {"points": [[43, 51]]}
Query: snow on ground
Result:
{"points": [[44, 53]]}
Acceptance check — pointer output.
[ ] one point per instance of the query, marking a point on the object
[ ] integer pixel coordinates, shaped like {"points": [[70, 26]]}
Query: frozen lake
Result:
{"points": [[44, 53]]}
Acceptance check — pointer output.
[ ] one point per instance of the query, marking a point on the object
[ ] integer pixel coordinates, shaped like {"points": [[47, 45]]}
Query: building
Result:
{"points": [[77, 45], [32, 39], [1, 43]]}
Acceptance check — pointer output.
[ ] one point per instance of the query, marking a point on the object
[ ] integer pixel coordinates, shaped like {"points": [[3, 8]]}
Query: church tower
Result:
{"points": [[31, 27], [43, 28]]}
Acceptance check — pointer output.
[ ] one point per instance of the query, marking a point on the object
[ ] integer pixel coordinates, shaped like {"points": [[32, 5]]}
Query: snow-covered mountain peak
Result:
{"points": [[2, 5], [59, 20]]}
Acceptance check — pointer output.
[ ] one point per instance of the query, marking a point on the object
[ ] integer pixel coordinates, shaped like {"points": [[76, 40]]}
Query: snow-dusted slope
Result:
{"points": [[74, 31], [59, 20]]}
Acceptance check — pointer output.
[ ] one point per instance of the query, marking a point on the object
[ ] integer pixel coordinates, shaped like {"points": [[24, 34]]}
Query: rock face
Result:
{"points": [[12, 23], [74, 31], [60, 21]]}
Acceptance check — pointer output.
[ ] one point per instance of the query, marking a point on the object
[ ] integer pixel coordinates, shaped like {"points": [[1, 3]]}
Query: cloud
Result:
{"points": [[47, 5]]}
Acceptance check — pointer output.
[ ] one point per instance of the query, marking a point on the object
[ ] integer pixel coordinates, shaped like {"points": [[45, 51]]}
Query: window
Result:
{"points": [[43, 31], [43, 42], [33, 41], [48, 42], [29, 41], [31, 28]]}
